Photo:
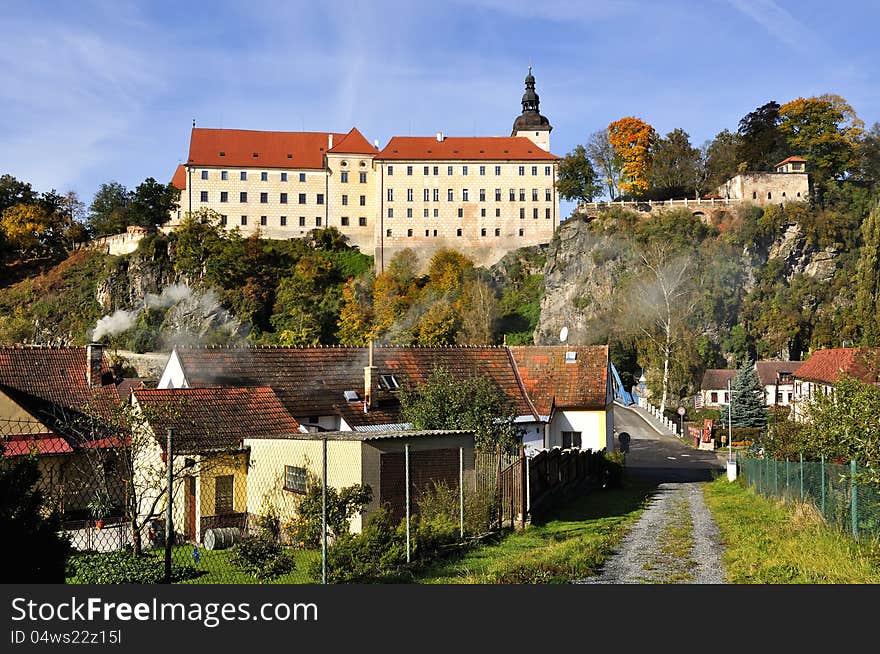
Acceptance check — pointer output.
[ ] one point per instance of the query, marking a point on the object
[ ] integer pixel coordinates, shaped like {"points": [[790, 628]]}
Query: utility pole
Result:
{"points": [[169, 499]]}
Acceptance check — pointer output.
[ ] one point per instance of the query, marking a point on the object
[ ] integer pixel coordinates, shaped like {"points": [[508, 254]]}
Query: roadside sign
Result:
{"points": [[681, 410]]}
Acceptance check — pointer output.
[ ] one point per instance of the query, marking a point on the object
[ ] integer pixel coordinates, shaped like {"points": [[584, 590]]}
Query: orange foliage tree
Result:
{"points": [[632, 139]]}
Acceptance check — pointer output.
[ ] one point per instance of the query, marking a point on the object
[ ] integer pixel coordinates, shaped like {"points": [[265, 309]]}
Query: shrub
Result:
{"points": [[378, 551], [304, 530], [438, 519], [263, 558], [480, 511], [124, 568], [611, 466]]}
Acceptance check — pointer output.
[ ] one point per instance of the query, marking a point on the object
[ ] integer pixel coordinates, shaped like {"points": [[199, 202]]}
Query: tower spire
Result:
{"points": [[531, 123]]}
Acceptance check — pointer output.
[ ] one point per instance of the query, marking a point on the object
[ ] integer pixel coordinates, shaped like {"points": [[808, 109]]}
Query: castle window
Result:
{"points": [[522, 195], [449, 170], [344, 221], [522, 170], [264, 177], [436, 170], [263, 221], [482, 170], [547, 213], [409, 232], [264, 198], [497, 195], [534, 170], [458, 232], [243, 175], [427, 170], [302, 221], [483, 212], [409, 170], [535, 213], [427, 232], [409, 195], [204, 174], [320, 198], [449, 195], [769, 195], [512, 195], [344, 200], [224, 175], [483, 232], [436, 213], [363, 201], [282, 221], [460, 212], [242, 197], [436, 197], [497, 170], [548, 195], [754, 195], [498, 213], [224, 196], [464, 170], [204, 196], [363, 178], [244, 220], [464, 195], [547, 170], [390, 195], [283, 177], [343, 177], [426, 194], [388, 233], [362, 221], [482, 195], [223, 219], [435, 232], [390, 170], [497, 231], [425, 213], [534, 195], [409, 212], [390, 212], [317, 221], [302, 177], [522, 212], [521, 231], [302, 198]]}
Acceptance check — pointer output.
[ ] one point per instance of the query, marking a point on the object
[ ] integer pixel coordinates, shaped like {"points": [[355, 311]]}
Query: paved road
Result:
{"points": [[663, 458]]}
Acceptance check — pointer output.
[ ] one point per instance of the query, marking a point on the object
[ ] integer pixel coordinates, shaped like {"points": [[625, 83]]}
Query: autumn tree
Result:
{"points": [[826, 131], [606, 162], [576, 179], [632, 140], [480, 310], [356, 312], [675, 167], [28, 229]]}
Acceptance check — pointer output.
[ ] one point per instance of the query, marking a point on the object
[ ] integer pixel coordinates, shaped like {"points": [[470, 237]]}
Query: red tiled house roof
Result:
{"points": [[790, 160], [210, 419], [51, 384], [769, 371], [828, 366], [488, 148], [716, 378], [551, 382], [243, 148], [178, 181], [353, 143]]}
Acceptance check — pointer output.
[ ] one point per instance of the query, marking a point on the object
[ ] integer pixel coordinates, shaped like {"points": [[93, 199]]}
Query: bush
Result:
{"points": [[304, 530], [262, 557], [611, 465], [480, 511], [378, 551], [124, 568], [438, 519]]}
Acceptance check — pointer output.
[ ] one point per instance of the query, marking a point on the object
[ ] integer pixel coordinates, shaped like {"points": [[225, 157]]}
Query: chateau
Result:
{"points": [[482, 196]]}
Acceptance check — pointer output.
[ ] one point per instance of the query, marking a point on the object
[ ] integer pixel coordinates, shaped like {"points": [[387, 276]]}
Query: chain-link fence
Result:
{"points": [[842, 492]]}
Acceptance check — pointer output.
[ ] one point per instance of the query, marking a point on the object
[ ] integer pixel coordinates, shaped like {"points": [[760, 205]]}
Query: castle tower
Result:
{"points": [[530, 123]]}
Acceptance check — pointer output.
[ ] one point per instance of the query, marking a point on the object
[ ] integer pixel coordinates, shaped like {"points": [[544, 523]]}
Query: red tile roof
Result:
{"points": [[769, 371], [40, 444], [716, 378], [214, 418], [454, 148], [551, 382], [242, 148], [829, 366], [791, 160], [178, 181], [354, 143]]}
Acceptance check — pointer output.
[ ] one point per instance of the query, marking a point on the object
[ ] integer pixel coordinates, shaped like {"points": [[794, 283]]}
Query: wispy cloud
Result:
{"points": [[777, 21]]}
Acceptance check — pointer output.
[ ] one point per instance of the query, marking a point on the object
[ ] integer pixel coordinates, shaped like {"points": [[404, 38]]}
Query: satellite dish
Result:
{"points": [[563, 334]]}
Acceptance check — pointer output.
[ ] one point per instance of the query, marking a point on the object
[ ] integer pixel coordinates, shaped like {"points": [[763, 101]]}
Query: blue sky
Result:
{"points": [[94, 90]]}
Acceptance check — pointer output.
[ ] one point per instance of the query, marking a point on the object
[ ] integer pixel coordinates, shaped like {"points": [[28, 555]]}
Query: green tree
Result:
{"points": [[445, 401], [676, 168], [13, 191], [761, 144], [747, 407], [33, 549], [720, 159], [108, 213], [867, 282], [606, 162], [576, 179], [151, 203], [868, 169]]}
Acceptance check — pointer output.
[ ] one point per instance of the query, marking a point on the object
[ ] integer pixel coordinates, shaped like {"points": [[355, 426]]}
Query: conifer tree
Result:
{"points": [[747, 399]]}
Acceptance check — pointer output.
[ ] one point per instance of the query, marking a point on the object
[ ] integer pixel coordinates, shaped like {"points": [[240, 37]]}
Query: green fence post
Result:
{"points": [[823, 485], [766, 475], [786, 479], [855, 501], [802, 476], [776, 478]]}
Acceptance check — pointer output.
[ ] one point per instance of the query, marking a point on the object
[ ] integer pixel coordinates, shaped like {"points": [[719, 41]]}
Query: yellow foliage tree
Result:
{"points": [[356, 313], [632, 139], [25, 226]]}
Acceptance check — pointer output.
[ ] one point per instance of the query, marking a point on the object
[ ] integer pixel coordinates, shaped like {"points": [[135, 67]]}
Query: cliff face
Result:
{"points": [[585, 269], [131, 279]]}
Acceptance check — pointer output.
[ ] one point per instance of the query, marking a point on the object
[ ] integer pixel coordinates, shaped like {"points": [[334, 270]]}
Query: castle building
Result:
{"points": [[789, 183], [482, 196]]}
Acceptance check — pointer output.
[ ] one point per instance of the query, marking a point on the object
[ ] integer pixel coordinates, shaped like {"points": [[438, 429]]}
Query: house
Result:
{"points": [[820, 373], [561, 395], [777, 378], [713, 388], [789, 182], [480, 195]]}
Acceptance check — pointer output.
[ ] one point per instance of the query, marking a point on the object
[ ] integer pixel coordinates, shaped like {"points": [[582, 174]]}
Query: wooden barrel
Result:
{"points": [[221, 538]]}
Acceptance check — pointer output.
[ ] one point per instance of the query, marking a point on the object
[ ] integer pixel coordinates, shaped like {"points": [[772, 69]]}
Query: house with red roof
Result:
{"points": [[480, 195], [821, 372]]}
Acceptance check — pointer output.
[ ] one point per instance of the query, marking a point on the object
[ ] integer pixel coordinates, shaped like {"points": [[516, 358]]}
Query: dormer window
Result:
{"points": [[571, 356], [388, 383], [351, 396]]}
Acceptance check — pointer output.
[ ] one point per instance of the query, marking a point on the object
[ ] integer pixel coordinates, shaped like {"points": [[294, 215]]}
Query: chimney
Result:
{"points": [[440, 137], [94, 359], [369, 374], [329, 141], [376, 143]]}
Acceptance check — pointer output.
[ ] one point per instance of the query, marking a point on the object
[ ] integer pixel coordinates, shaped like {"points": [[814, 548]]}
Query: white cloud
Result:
{"points": [[778, 22]]}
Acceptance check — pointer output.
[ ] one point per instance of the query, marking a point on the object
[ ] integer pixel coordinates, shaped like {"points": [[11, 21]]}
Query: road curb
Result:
{"points": [[643, 419]]}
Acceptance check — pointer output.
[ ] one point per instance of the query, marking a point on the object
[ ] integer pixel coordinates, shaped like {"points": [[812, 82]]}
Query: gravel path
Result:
{"points": [[676, 541]]}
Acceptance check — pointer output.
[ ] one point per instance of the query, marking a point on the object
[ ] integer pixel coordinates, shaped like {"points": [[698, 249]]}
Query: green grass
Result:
{"points": [[571, 544], [767, 542]]}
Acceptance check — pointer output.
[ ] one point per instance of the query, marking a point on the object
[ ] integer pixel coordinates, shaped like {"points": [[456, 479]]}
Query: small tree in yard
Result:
{"points": [[747, 399]]}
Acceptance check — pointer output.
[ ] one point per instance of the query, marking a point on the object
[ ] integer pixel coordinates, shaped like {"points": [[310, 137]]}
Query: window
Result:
{"points": [[243, 221], [320, 199], [317, 221], [534, 195], [482, 170], [283, 221], [458, 232], [547, 213], [498, 213], [343, 177], [464, 170], [435, 232], [547, 170], [344, 221], [497, 195], [754, 195], [512, 195], [726, 398], [283, 177], [344, 200], [409, 212], [425, 212], [302, 221], [449, 170], [391, 195], [362, 221], [426, 194], [363, 178], [483, 232], [522, 212], [522, 195], [388, 233], [390, 212], [264, 177], [769, 195], [302, 198], [522, 170], [535, 213], [363, 200], [427, 232], [243, 175], [223, 219], [483, 212], [204, 174], [242, 197], [436, 196], [224, 175], [460, 212], [571, 439], [204, 196], [521, 231], [449, 195], [427, 170], [464, 195], [409, 195], [409, 170], [302, 177], [534, 170], [263, 221], [548, 195], [497, 170], [409, 232], [294, 479], [436, 170], [390, 170], [264, 198], [497, 231], [223, 498], [482, 195], [283, 198]]}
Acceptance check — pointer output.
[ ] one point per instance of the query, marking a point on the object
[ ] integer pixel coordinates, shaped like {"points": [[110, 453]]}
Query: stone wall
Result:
{"points": [[766, 188]]}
